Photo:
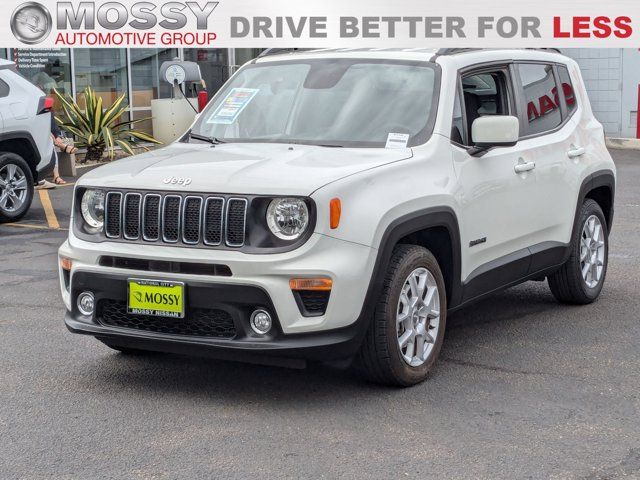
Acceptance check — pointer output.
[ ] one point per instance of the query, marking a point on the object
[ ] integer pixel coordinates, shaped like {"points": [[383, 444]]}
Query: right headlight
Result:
{"points": [[288, 218], [92, 209]]}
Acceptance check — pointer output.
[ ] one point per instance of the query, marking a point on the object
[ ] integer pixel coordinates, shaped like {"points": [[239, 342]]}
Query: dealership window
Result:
{"points": [[214, 65], [104, 70], [47, 68], [3, 53], [244, 55], [567, 87], [539, 94], [146, 84]]}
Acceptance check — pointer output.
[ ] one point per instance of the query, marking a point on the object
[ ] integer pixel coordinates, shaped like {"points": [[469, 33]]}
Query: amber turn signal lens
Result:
{"points": [[335, 208], [66, 263], [318, 284]]}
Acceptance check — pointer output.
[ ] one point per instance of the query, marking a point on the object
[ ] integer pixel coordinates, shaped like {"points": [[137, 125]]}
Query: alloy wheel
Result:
{"points": [[592, 251], [13, 188], [418, 317]]}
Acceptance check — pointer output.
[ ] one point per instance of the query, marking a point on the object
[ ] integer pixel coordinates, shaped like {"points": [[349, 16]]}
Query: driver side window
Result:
{"points": [[483, 93]]}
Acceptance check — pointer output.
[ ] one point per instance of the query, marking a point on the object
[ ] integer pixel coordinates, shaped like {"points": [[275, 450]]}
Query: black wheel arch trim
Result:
{"points": [[406, 225], [601, 178], [23, 135]]}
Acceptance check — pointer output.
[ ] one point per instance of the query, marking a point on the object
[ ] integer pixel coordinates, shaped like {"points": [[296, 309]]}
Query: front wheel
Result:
{"points": [[581, 278], [16, 187], [407, 331]]}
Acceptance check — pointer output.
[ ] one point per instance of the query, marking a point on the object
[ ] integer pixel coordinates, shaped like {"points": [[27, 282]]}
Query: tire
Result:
{"points": [[381, 359], [14, 169], [568, 284], [125, 350]]}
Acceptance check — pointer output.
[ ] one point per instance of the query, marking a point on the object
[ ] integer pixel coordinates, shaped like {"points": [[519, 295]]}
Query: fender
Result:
{"points": [[406, 225], [601, 178]]}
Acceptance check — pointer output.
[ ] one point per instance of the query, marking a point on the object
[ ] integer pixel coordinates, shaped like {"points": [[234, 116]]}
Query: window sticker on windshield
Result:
{"points": [[232, 106], [397, 140]]}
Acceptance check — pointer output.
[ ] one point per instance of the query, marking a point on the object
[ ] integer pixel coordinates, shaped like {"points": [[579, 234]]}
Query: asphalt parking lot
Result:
{"points": [[525, 388]]}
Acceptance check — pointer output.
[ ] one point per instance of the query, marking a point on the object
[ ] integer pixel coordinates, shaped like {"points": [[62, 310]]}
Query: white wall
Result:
{"points": [[602, 72]]}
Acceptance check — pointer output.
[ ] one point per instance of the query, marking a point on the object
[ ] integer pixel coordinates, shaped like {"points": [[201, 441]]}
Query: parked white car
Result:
{"points": [[336, 204], [26, 147]]}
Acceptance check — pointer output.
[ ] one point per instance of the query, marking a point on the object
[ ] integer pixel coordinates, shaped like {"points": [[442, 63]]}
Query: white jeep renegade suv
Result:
{"points": [[336, 204]]}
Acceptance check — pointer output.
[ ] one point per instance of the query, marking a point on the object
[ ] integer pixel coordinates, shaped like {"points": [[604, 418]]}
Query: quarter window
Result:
{"points": [[570, 99], [541, 102], [4, 89]]}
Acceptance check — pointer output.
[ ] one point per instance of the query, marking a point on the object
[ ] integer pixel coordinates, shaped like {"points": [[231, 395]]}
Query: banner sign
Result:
{"points": [[326, 23]]}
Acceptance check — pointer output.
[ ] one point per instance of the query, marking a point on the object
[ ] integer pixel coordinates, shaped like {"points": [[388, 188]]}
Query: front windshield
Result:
{"points": [[351, 103]]}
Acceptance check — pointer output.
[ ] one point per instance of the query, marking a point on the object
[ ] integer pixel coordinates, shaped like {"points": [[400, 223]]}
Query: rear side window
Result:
{"points": [[4, 89], [540, 97], [567, 87]]}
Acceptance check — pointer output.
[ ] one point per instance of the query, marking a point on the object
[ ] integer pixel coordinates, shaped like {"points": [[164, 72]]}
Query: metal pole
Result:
{"points": [[638, 115]]}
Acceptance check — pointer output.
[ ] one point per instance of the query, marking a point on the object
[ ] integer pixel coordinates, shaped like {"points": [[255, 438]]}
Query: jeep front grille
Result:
{"points": [[176, 219]]}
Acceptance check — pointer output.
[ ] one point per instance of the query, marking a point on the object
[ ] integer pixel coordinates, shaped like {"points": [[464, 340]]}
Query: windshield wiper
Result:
{"points": [[204, 138]]}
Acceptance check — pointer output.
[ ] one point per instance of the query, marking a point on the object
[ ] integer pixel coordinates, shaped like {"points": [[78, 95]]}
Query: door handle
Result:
{"points": [[576, 152], [524, 167]]}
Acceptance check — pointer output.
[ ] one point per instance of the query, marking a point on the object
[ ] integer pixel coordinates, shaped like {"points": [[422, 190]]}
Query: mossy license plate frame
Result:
{"points": [[156, 298]]}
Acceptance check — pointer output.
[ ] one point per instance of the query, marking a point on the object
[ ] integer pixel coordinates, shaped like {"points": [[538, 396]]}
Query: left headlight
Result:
{"points": [[288, 218], [92, 209]]}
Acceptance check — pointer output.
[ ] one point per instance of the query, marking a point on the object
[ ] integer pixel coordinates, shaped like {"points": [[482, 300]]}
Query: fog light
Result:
{"points": [[260, 322], [86, 303]]}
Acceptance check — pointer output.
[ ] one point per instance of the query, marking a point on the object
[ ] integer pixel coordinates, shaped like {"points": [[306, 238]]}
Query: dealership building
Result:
{"points": [[612, 76]]}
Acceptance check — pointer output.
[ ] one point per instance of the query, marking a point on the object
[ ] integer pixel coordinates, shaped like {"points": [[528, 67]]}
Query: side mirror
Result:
{"points": [[494, 131]]}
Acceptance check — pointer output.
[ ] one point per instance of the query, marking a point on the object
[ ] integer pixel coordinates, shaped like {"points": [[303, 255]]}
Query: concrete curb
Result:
{"points": [[623, 143]]}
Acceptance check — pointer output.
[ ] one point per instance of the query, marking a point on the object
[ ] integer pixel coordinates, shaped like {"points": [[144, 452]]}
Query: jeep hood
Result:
{"points": [[241, 168]]}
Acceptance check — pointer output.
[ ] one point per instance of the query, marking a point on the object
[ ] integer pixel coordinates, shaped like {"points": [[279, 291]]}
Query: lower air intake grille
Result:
{"points": [[311, 302], [197, 323]]}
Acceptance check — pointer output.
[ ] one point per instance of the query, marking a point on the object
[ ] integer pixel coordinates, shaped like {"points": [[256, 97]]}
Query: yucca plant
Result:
{"points": [[98, 129]]}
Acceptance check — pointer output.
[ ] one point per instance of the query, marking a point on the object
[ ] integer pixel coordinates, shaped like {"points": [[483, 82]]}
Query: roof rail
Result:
{"points": [[277, 51], [454, 51]]}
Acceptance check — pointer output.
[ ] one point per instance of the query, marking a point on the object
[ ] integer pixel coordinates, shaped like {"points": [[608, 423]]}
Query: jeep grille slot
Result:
{"points": [[213, 221], [190, 220], [113, 214], [131, 224], [171, 218], [151, 217], [236, 219]]}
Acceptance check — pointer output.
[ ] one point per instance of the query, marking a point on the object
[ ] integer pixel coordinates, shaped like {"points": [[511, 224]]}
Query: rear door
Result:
{"points": [[550, 141]]}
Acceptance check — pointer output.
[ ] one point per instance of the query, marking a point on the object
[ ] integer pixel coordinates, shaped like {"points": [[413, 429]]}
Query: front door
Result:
{"points": [[496, 189]]}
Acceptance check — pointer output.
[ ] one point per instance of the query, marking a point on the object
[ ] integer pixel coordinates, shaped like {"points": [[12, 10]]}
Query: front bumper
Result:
{"points": [[257, 281]]}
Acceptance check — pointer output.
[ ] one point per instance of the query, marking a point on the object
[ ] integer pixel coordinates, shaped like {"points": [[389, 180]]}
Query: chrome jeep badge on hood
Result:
{"points": [[177, 181]]}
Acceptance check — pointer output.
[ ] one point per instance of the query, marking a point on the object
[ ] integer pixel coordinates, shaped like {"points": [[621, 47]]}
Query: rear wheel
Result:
{"points": [[581, 278], [407, 331], [16, 187]]}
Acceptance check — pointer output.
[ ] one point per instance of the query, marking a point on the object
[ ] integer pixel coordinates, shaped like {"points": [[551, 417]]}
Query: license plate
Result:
{"points": [[156, 298]]}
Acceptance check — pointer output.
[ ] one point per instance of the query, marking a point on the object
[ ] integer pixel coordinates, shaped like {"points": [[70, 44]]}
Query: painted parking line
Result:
{"points": [[49, 212], [31, 226]]}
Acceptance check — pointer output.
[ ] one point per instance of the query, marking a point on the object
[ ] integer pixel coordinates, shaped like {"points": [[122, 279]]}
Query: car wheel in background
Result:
{"points": [[16, 187]]}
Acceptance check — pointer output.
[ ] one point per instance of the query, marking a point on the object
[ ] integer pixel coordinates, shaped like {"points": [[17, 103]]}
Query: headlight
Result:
{"points": [[288, 218], [92, 208]]}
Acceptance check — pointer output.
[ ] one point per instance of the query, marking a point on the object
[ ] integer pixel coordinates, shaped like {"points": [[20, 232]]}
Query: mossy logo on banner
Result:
{"points": [[31, 23]]}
